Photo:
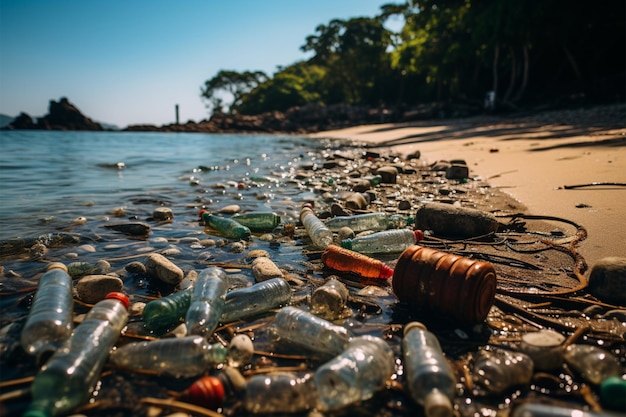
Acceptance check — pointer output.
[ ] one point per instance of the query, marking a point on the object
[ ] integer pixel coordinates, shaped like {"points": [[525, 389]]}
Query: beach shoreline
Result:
{"points": [[540, 160]]}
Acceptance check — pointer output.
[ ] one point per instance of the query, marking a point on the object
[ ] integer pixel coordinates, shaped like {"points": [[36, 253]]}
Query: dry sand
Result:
{"points": [[531, 158]]}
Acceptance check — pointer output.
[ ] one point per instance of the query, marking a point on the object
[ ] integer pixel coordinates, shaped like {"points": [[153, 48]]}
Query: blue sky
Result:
{"points": [[130, 62]]}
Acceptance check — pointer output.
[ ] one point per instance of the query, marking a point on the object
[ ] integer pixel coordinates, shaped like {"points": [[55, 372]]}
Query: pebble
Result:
{"points": [[240, 350], [93, 288], [345, 233], [607, 280], [388, 174], [131, 229], [171, 252], [231, 209], [162, 214], [164, 269], [457, 172], [258, 253], [356, 201], [264, 269], [237, 247], [136, 267], [544, 348]]}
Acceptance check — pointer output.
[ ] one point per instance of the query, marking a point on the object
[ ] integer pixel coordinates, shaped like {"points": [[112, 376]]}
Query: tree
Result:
{"points": [[231, 85]]}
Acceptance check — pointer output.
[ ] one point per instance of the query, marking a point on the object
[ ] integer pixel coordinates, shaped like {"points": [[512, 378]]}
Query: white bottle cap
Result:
{"points": [[436, 404]]}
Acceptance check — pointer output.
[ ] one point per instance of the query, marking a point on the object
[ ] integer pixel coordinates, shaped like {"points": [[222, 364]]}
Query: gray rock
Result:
{"points": [[163, 269], [264, 269], [607, 280], [93, 288], [162, 214]]}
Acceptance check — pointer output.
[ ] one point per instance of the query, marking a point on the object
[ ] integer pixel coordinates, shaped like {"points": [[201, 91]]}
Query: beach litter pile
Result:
{"points": [[379, 286]]}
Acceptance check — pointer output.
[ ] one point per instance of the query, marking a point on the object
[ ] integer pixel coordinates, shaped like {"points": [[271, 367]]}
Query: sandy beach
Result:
{"points": [[533, 159]]}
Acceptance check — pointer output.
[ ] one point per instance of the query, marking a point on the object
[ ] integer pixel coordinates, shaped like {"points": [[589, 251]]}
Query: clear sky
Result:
{"points": [[131, 61]]}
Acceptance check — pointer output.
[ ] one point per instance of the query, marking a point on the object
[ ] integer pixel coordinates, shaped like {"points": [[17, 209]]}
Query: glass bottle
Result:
{"points": [[305, 330], [180, 357], [346, 260], [49, 321], [387, 241], [207, 302], [430, 379], [71, 374], [356, 374], [256, 299], [167, 312], [225, 226], [258, 221], [279, 392], [592, 363], [498, 369], [320, 235]]}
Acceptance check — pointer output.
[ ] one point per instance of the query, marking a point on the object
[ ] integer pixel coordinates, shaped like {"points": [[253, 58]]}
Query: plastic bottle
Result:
{"points": [[430, 379], [258, 221], [225, 226], [69, 377], [453, 221], [498, 369], [356, 374], [304, 330], [207, 302], [280, 392], [178, 357], [256, 299], [320, 235], [329, 300], [345, 260], [527, 409], [49, 322], [360, 222], [387, 241], [592, 363], [167, 312]]}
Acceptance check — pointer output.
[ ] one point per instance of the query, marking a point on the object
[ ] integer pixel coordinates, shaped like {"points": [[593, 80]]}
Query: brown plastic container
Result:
{"points": [[454, 286]]}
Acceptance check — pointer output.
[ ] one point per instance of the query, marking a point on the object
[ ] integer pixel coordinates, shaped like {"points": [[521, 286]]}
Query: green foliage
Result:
{"points": [[230, 84]]}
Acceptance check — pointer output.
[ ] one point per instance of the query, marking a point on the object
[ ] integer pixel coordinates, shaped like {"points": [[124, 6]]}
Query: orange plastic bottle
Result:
{"points": [[345, 260]]}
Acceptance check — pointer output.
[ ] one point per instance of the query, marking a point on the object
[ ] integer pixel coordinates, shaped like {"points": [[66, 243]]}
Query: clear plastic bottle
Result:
{"points": [[360, 222], [181, 357], [527, 409], [258, 221], [225, 226], [592, 363], [305, 330], [356, 374], [430, 379], [207, 302], [346, 260], [69, 377], [279, 392], [329, 300], [256, 299], [49, 321], [387, 241], [498, 369], [168, 311], [320, 235]]}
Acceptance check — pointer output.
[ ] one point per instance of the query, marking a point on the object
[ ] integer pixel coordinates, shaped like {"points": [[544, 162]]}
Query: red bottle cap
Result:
{"points": [[122, 298], [385, 272], [202, 212], [419, 235]]}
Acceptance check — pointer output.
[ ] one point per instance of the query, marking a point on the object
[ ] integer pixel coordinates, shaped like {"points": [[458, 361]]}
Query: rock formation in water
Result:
{"points": [[62, 115]]}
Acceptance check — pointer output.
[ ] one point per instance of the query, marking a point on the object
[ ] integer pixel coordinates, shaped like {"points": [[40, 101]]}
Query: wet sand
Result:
{"points": [[532, 159]]}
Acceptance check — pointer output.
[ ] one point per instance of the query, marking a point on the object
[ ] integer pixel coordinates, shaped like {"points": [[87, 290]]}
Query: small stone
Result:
{"points": [[361, 186], [162, 214], [457, 172], [93, 288], [388, 174], [231, 209], [163, 269], [607, 280], [171, 252], [345, 233], [240, 350], [258, 253], [132, 229], [356, 201], [264, 269], [414, 155], [404, 205], [136, 267], [237, 247]]}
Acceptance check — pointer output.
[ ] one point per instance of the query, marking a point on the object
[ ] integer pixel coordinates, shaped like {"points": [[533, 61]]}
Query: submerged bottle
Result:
{"points": [[592, 363], [356, 374], [69, 377], [360, 222], [304, 330], [178, 357], [387, 241], [207, 302], [497, 370], [346, 260], [256, 299], [430, 379], [168, 311], [280, 392], [49, 321], [258, 221], [225, 226], [320, 235]]}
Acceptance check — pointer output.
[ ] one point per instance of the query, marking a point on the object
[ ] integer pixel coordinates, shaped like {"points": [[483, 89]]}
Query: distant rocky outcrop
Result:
{"points": [[62, 115]]}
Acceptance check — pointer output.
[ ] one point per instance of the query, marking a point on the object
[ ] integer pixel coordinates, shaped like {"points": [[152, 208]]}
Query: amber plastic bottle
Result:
{"points": [[346, 260]]}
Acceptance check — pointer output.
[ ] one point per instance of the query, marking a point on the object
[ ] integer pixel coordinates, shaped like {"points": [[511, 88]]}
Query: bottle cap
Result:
{"points": [[419, 235], [56, 265], [414, 325], [346, 244], [201, 213], [613, 393], [437, 404], [207, 392], [122, 298], [385, 272]]}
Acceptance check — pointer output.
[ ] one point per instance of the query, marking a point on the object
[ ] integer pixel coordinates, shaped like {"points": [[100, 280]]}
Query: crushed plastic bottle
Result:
{"points": [[207, 302], [280, 392], [49, 321], [180, 357], [387, 241], [307, 331], [329, 300], [258, 221], [346, 260], [320, 235], [167, 312], [71, 374], [377, 221], [592, 363], [356, 374], [498, 370], [256, 299], [225, 226], [430, 379]]}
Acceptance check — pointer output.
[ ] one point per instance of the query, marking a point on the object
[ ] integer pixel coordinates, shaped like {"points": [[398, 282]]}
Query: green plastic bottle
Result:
{"points": [[225, 226], [168, 311], [258, 221]]}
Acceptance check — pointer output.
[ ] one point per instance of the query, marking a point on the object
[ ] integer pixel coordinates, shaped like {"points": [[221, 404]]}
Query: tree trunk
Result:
{"points": [[496, 55], [522, 88]]}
